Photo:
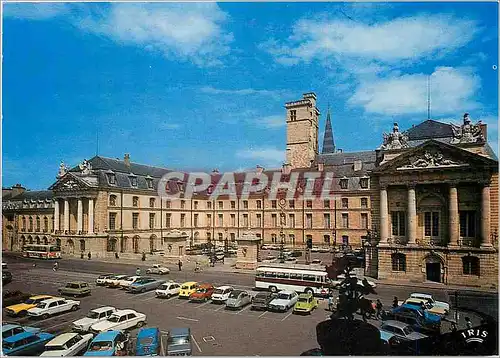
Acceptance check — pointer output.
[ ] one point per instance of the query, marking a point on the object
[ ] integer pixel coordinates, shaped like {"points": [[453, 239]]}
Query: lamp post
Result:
{"points": [[282, 203], [226, 243]]}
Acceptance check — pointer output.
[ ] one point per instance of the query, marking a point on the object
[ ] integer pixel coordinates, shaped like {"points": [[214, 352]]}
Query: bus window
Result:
{"points": [[320, 279], [270, 274], [282, 275], [55, 249], [296, 276], [309, 278]]}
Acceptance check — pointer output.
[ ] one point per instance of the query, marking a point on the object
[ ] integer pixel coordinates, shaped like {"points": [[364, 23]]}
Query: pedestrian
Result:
{"points": [[116, 255], [453, 327], [81, 255], [330, 303], [55, 267], [89, 255], [468, 322], [138, 272], [395, 302], [143, 256], [379, 307], [180, 265]]}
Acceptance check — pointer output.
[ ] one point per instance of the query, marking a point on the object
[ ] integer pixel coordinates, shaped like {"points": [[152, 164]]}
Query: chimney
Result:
{"points": [[358, 164], [321, 166], [126, 160], [484, 131], [259, 169], [17, 189], [286, 169]]}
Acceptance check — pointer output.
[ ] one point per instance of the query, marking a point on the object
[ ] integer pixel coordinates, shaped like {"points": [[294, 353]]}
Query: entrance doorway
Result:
{"points": [[433, 270]]}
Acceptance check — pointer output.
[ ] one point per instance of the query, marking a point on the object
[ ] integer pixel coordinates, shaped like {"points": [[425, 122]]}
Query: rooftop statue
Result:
{"points": [[63, 169], [85, 167], [467, 132], [395, 140]]}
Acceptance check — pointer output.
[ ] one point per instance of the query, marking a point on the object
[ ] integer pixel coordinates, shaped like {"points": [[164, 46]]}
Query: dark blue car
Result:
{"points": [[24, 344], [148, 342]]}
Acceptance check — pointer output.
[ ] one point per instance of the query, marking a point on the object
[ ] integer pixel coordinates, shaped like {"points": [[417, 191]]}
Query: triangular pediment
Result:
{"points": [[433, 155], [69, 182]]}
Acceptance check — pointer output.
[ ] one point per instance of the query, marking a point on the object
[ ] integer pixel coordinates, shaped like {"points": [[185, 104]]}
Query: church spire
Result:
{"points": [[328, 143]]}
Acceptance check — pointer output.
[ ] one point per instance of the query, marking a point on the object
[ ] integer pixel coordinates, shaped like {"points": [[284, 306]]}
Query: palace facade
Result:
{"points": [[424, 204]]}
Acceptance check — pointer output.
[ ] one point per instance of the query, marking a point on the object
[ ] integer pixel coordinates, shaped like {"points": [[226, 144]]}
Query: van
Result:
{"points": [[187, 288], [148, 342]]}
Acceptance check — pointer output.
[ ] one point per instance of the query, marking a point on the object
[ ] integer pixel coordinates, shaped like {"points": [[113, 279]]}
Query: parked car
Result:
{"points": [[296, 253], [109, 343], [415, 318], [179, 342], [306, 303], [27, 343], [221, 294], [316, 262], [395, 332], [126, 282], [187, 288], [238, 299], [67, 345], [148, 342], [158, 269], [114, 282], [9, 330], [262, 300], [284, 301], [10, 298], [168, 289], [21, 309], [145, 284], [291, 260], [202, 293], [53, 306], [75, 289], [120, 320], [324, 249], [94, 316], [103, 279], [6, 277], [426, 305], [431, 300]]}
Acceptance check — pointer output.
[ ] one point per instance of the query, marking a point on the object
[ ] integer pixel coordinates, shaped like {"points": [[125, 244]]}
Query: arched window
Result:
{"points": [[470, 265], [31, 224], [45, 224], [30, 240], [82, 245], [37, 240], [24, 223], [398, 262], [37, 224], [111, 247], [112, 200], [135, 243], [45, 241]]}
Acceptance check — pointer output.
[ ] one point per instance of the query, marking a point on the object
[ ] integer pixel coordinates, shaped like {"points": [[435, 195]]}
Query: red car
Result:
{"points": [[203, 293]]}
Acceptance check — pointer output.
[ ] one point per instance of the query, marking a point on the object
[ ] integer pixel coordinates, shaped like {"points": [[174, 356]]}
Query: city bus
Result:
{"points": [[42, 251], [299, 278]]}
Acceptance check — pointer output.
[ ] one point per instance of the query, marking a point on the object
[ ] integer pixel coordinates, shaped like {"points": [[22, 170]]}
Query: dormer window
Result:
{"points": [[363, 183], [343, 183], [111, 178], [112, 200], [149, 182], [180, 186], [133, 180]]}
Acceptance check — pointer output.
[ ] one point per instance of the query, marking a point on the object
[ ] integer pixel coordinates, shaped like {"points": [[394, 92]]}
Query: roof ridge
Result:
{"points": [[135, 163]]}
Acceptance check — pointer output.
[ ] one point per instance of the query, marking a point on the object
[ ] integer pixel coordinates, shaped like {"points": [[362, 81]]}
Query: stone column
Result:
{"points": [[384, 216], [91, 216], [453, 215], [56, 215], [66, 215], [79, 216], [412, 215], [485, 217]]}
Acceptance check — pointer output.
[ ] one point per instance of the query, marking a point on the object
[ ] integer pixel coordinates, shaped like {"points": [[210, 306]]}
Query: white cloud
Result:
{"points": [[406, 38], [452, 91], [188, 31], [238, 92], [34, 11], [276, 121], [265, 156]]}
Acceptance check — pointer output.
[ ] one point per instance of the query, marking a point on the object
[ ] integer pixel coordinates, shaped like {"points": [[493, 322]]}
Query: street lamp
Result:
{"points": [[282, 203], [226, 248]]}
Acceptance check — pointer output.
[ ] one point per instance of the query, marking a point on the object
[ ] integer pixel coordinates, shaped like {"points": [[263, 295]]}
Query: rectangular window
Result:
{"points": [[259, 220], [135, 220], [152, 202], [398, 219], [364, 220], [220, 220], [291, 220], [309, 220], [274, 220], [245, 204], [293, 115], [291, 237], [168, 220], [245, 220], [326, 220], [233, 220], [209, 220], [183, 204], [259, 204], [209, 236], [363, 183], [467, 224], [345, 220], [209, 205], [151, 220], [345, 203], [233, 236], [345, 240], [309, 204], [273, 238], [343, 183], [195, 205], [195, 219], [291, 203], [364, 202], [233, 204], [431, 223], [112, 221], [183, 220], [221, 205], [273, 204], [220, 236], [326, 204], [167, 204], [135, 201]]}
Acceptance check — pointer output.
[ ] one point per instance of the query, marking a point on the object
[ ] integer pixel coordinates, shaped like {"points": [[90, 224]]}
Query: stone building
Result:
{"points": [[424, 204]]}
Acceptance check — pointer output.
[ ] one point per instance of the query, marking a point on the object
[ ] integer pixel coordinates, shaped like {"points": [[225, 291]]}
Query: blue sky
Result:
{"points": [[203, 86]]}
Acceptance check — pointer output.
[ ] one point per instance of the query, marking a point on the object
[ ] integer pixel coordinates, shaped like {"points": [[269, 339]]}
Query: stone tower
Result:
{"points": [[302, 119]]}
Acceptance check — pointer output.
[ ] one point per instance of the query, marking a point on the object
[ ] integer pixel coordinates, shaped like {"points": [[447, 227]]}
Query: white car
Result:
{"points": [[53, 306], [168, 289], [67, 345], [221, 294], [284, 301], [158, 269], [126, 282], [94, 316], [103, 279], [428, 298], [115, 280], [120, 320]]}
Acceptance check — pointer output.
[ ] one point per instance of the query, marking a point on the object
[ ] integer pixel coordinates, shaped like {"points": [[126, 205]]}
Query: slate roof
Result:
{"points": [[430, 129], [30, 195], [116, 165]]}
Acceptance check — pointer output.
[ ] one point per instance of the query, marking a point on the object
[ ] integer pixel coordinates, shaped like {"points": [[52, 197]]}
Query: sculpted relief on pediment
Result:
{"points": [[431, 159]]}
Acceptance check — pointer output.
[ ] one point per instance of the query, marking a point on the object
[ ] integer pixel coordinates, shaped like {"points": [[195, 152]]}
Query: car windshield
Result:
{"points": [[104, 276], [72, 285], [408, 330], [284, 296], [201, 290], [41, 305], [178, 340], [218, 290], [30, 301], [114, 318], [146, 341], [101, 346], [186, 287], [164, 287], [54, 348], [234, 294], [303, 299], [93, 315]]}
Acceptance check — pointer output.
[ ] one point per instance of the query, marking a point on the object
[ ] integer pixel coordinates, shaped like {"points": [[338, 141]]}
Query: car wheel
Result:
{"points": [[168, 295], [140, 324], [273, 289], [45, 316], [309, 290], [143, 290], [74, 308]]}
